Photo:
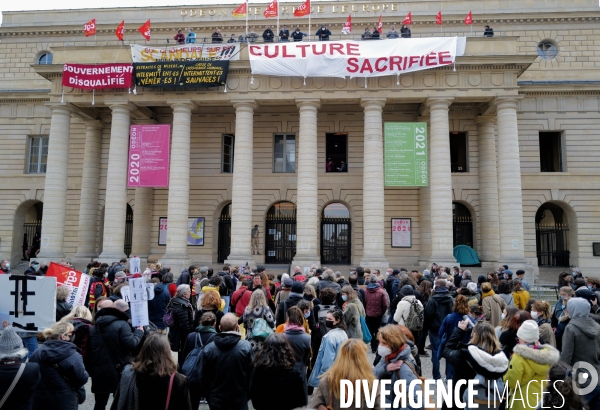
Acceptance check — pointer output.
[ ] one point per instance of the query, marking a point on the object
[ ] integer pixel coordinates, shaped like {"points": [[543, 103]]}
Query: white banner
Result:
{"points": [[186, 52], [354, 58], [28, 302]]}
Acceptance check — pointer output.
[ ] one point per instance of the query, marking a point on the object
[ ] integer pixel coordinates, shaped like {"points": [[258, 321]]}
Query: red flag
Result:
{"points": [[469, 18], [89, 28], [348, 25], [303, 9], [240, 11], [407, 19], [119, 30], [438, 18], [145, 30], [272, 9], [380, 24]]}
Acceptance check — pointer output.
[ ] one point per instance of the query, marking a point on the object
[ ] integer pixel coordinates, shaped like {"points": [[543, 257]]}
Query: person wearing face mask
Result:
{"points": [[32, 269], [299, 341], [330, 345], [353, 310], [507, 315], [565, 293], [62, 370], [540, 312], [4, 267], [97, 287]]}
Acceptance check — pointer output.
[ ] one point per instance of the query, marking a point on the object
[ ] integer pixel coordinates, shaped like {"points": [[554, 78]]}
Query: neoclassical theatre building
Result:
{"points": [[278, 169]]}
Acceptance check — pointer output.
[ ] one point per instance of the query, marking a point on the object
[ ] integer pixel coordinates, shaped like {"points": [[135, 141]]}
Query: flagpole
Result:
{"points": [[277, 3], [246, 20], [309, 16]]}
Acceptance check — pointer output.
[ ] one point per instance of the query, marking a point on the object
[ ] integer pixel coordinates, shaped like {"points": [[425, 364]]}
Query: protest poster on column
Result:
{"points": [[77, 281], [28, 302]]}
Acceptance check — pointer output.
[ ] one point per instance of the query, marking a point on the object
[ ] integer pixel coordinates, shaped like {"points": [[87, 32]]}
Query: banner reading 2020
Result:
{"points": [[405, 155], [148, 164]]}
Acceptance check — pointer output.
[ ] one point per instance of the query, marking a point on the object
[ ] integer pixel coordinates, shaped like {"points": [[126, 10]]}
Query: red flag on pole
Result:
{"points": [[469, 18], [145, 30], [119, 30], [438, 18], [272, 9], [89, 28], [380, 24], [348, 25], [303, 9], [408, 19], [240, 11]]}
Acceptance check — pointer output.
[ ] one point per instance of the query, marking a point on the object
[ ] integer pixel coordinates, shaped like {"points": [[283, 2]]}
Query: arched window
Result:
{"points": [[280, 233], [462, 224], [551, 236], [45, 58], [224, 234]]}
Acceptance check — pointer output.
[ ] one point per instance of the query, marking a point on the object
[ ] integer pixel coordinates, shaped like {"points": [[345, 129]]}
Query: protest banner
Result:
{"points": [[77, 281], [354, 58], [97, 76], [181, 74], [148, 164], [28, 302], [186, 52]]}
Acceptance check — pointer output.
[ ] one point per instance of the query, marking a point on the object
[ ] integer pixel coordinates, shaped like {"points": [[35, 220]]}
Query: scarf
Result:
{"points": [[486, 294], [128, 398], [393, 355], [287, 326]]}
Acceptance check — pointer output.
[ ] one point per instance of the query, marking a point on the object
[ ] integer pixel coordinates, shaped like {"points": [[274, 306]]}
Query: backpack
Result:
{"points": [[261, 329], [488, 397], [169, 317], [416, 316], [192, 366]]}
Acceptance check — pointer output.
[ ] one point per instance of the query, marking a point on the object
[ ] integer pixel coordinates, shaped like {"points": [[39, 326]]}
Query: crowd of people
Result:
{"points": [[286, 342]]}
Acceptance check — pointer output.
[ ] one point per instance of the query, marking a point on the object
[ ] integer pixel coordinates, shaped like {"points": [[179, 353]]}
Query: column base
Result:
{"points": [[445, 261], [49, 256], [375, 263], [177, 263], [240, 260], [110, 257], [306, 260]]}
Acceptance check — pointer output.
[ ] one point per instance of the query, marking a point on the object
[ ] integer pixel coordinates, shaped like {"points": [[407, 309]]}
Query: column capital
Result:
{"points": [[119, 104], [244, 104], [185, 105], [507, 102], [373, 103], [486, 119], [93, 124], [308, 102], [60, 107], [439, 103]]}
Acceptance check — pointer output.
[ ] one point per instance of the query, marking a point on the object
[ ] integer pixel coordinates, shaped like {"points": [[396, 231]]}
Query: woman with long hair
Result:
{"points": [[508, 338], [494, 281], [450, 322], [351, 364], [540, 312], [492, 304], [505, 292], [353, 311], [330, 345], [152, 381], [426, 290], [274, 368], [507, 315], [295, 332], [211, 302], [257, 309], [559, 391]]}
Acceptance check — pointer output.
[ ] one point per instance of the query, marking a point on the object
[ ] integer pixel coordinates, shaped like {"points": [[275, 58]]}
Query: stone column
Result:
{"points": [[115, 208], [510, 205], [142, 223], [373, 191], [88, 202], [307, 216], [55, 188], [489, 227], [440, 183], [179, 187], [241, 191]]}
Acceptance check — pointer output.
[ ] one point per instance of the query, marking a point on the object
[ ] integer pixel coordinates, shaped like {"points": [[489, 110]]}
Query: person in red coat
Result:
{"points": [[241, 298], [377, 302]]}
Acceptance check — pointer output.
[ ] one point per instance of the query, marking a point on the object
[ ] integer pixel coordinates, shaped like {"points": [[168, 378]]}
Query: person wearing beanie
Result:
{"points": [[12, 357], [521, 275], [581, 342], [473, 297], [284, 291], [295, 296], [529, 366], [376, 303]]}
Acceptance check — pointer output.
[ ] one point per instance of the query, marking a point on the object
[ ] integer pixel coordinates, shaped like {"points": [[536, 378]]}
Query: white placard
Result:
{"points": [[125, 295], [28, 301], [150, 290], [139, 314], [401, 233], [134, 265], [139, 301]]}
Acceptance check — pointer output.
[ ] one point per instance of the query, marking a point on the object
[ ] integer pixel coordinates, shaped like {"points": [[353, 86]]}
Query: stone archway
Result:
{"points": [[280, 233], [27, 221], [556, 235]]}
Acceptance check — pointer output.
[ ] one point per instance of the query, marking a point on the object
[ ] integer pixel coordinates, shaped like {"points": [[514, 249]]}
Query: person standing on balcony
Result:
{"points": [[179, 37]]}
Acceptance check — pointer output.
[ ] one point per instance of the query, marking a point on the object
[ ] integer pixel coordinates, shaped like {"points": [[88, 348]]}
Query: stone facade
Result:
{"points": [[502, 95]]}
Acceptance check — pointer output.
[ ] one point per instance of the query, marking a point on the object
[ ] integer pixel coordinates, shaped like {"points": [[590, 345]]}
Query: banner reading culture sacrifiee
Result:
{"points": [[405, 153], [354, 58], [187, 52]]}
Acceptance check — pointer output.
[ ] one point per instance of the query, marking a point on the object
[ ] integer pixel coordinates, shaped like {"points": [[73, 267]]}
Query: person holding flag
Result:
{"points": [[375, 33], [405, 31]]}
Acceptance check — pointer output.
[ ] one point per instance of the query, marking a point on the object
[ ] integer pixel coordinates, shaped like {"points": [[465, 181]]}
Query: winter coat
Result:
{"points": [[403, 309], [581, 342], [322, 396], [469, 360], [184, 322], [546, 332], [376, 301], [284, 305], [207, 335], [330, 345], [529, 365], [111, 341], [559, 332], [21, 397], [226, 371], [248, 319], [240, 300], [57, 387], [493, 306], [521, 298], [508, 298], [447, 328], [508, 341], [389, 282], [157, 307], [328, 284], [282, 295], [63, 308], [405, 373], [353, 310], [300, 342], [439, 306], [286, 388]]}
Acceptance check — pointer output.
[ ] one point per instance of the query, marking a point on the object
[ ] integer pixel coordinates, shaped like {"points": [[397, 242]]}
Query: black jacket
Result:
{"points": [[226, 370], [292, 300], [63, 308], [157, 307], [112, 341], [200, 312], [439, 306], [56, 388], [184, 322], [190, 343], [300, 342], [153, 391], [389, 282], [323, 34], [286, 390], [229, 288], [268, 35], [21, 397]]}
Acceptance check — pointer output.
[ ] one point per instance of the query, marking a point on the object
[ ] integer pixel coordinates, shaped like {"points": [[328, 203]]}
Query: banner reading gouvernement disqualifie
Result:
{"points": [[406, 154], [187, 52], [354, 58]]}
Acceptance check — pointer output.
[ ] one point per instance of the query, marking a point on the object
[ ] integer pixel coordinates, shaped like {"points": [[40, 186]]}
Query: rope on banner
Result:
{"points": [[62, 97], [135, 89], [366, 85], [304, 81], [225, 88], [93, 95], [454, 69], [397, 79], [252, 80]]}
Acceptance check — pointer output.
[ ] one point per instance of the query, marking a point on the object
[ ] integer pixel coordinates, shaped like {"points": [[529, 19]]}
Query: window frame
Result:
{"points": [[286, 137], [231, 154], [466, 141], [39, 145], [45, 55], [328, 154], [543, 53], [561, 152]]}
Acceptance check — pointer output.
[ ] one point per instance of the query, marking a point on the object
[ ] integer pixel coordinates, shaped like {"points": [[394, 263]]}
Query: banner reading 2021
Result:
{"points": [[181, 74], [406, 154]]}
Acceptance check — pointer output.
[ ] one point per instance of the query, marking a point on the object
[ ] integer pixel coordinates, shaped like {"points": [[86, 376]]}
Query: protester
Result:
{"points": [[274, 368], [97, 287], [328, 281], [393, 33], [157, 307], [284, 34], [183, 314], [323, 33], [507, 315], [330, 345], [376, 303], [560, 392], [179, 37], [439, 306], [217, 37], [256, 309], [405, 31], [167, 280], [268, 35], [520, 295], [299, 341], [63, 308], [152, 381], [540, 312], [81, 319], [489, 32], [297, 35], [241, 298], [232, 39], [294, 297], [375, 34], [351, 364], [450, 322], [191, 37], [505, 292], [353, 311], [403, 310], [367, 34], [62, 371], [492, 304], [211, 302]]}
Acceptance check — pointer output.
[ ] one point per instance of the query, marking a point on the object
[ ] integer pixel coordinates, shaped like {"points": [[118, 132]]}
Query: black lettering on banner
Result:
{"points": [[23, 296], [181, 74]]}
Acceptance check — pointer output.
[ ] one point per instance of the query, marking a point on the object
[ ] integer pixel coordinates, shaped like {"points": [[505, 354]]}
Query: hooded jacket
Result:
{"points": [[353, 310], [292, 300], [439, 306], [581, 339], [376, 301], [54, 391], [286, 388], [528, 367], [405, 373], [157, 307], [226, 370]]}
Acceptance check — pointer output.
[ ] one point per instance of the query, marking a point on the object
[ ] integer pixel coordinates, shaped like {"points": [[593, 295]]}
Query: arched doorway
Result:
{"points": [[551, 236], [224, 248], [462, 224], [280, 233], [27, 223], [335, 235]]}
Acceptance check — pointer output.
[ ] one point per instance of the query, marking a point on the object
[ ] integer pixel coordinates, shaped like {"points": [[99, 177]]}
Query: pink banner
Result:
{"points": [[97, 76], [149, 156]]}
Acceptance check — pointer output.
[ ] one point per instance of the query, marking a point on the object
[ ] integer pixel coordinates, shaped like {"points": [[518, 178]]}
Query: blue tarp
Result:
{"points": [[465, 255]]}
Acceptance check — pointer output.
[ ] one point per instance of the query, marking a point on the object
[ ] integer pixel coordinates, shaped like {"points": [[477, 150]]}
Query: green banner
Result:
{"points": [[406, 154], [181, 74]]}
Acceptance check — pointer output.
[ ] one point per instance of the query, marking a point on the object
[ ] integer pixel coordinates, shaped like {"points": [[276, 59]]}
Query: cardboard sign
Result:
{"points": [[28, 302]]}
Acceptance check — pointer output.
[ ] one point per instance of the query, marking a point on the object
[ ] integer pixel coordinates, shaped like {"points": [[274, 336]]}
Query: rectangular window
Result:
{"points": [[459, 151], [227, 160], [551, 152], [284, 153], [38, 155], [336, 152]]}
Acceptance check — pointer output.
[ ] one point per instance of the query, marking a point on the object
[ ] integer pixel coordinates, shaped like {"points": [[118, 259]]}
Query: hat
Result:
{"points": [[585, 293], [10, 343], [529, 331], [395, 272], [288, 283], [407, 290], [472, 286], [508, 272], [373, 279], [520, 272], [297, 287], [426, 272]]}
